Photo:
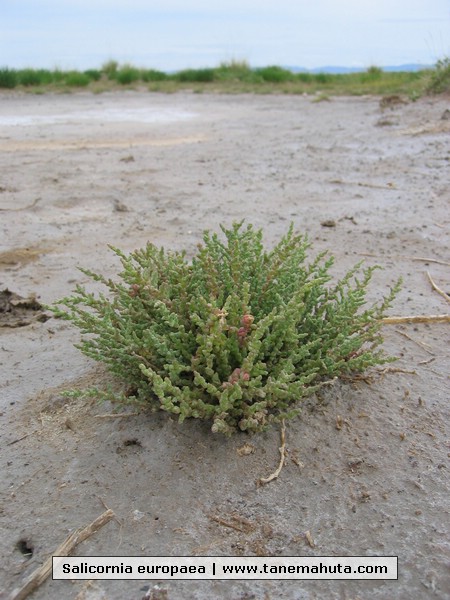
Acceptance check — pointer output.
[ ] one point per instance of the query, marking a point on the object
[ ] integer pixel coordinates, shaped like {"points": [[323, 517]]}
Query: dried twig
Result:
{"points": [[416, 319], [427, 362], [30, 206], [406, 257], [116, 415], [82, 593], [240, 524], [426, 347], [282, 450], [21, 438], [395, 370], [388, 186], [309, 539], [432, 260], [225, 523], [41, 573], [438, 289]]}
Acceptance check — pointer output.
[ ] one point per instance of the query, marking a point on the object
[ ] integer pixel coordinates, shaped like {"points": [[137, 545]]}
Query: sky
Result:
{"points": [[171, 35]]}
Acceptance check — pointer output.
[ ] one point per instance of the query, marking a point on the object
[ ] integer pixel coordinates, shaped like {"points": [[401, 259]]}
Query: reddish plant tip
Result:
{"points": [[236, 375], [242, 334], [134, 290], [247, 321]]}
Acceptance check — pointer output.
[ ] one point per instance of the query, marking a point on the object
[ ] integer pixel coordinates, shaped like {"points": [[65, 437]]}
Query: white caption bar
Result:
{"points": [[225, 567]]}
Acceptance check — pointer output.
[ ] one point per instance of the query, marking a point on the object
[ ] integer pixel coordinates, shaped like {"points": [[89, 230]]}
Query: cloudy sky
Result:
{"points": [[178, 34]]}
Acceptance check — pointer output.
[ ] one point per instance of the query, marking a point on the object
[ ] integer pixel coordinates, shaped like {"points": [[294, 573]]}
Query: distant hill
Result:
{"points": [[338, 69], [409, 67]]}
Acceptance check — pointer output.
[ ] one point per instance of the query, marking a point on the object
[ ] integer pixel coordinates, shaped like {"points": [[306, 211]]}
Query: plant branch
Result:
{"points": [[282, 450], [416, 319], [41, 573]]}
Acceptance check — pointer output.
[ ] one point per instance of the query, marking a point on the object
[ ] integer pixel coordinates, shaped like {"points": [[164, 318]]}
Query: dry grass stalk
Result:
{"points": [[309, 539], [396, 370], [282, 449], [438, 289], [41, 573], [426, 347], [416, 319], [116, 415], [237, 523], [406, 257]]}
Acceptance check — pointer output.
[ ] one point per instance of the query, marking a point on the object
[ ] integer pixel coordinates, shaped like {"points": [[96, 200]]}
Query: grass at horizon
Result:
{"points": [[232, 78]]}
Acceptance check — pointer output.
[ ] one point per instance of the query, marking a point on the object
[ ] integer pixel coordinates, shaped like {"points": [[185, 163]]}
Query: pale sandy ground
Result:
{"points": [[367, 470]]}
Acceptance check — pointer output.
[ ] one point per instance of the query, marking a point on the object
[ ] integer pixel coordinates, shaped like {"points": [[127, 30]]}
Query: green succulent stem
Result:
{"points": [[238, 335]]}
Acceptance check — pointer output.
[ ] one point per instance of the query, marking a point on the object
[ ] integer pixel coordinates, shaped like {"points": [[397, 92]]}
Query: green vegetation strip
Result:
{"points": [[233, 77]]}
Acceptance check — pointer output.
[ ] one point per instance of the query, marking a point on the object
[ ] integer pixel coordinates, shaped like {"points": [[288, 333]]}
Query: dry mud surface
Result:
{"points": [[367, 469]]}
